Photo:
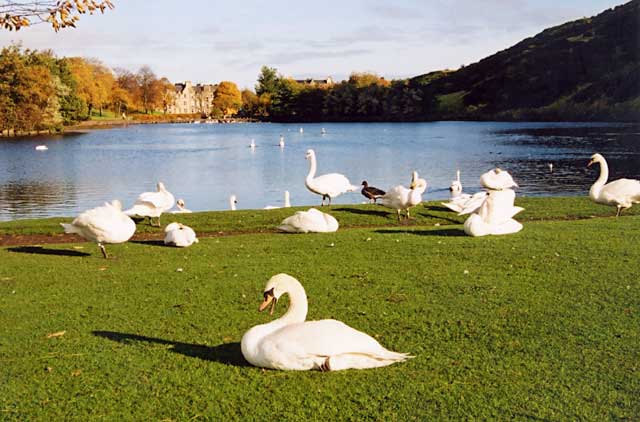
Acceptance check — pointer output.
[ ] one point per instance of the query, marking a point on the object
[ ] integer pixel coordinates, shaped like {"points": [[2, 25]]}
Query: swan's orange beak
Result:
{"points": [[590, 162], [268, 300]]}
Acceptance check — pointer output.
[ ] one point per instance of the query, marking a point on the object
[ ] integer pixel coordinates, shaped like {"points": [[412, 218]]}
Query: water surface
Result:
{"points": [[204, 164]]}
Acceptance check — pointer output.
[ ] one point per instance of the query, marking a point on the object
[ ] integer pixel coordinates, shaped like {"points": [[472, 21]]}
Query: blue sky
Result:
{"points": [[209, 41]]}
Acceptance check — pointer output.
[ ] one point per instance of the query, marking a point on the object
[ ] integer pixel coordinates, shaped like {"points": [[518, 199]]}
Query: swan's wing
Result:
{"points": [[395, 197], [473, 203], [105, 224], [163, 200], [621, 190], [332, 184]]}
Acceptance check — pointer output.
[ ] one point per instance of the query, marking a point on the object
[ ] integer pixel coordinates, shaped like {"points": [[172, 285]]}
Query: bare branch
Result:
{"points": [[15, 15]]}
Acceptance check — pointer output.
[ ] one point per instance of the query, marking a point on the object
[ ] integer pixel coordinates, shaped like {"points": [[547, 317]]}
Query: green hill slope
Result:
{"points": [[587, 69]]}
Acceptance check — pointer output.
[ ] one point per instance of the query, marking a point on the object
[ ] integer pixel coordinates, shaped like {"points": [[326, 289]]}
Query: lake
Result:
{"points": [[206, 163]]}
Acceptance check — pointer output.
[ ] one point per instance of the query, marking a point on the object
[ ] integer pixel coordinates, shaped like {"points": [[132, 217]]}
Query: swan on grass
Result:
{"points": [[622, 193], [152, 204], [291, 343], [328, 185], [401, 199], [311, 221], [180, 204], [287, 202], [232, 202], [179, 235], [106, 224]]}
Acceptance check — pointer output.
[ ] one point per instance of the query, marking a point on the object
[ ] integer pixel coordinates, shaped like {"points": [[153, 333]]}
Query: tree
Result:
{"points": [[268, 81], [15, 15], [95, 82], [167, 92], [149, 93], [227, 100]]}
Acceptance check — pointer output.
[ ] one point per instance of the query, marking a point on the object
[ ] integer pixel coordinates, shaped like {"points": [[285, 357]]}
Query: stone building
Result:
{"points": [[319, 83], [192, 99]]}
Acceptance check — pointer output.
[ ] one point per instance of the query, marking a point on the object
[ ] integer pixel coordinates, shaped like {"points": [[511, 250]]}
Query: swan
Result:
{"points": [[465, 201], [313, 221], [323, 132], [456, 186], [42, 148], [370, 192], [287, 202], [106, 224], [492, 211], [402, 199], [152, 204], [622, 193], [281, 143], [179, 235], [291, 343], [252, 145], [327, 185], [550, 165], [301, 130], [232, 202], [181, 207]]}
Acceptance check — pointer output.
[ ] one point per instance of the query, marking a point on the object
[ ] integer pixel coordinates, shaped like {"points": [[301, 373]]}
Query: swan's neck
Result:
{"points": [[602, 179], [298, 307], [287, 202], [312, 167]]}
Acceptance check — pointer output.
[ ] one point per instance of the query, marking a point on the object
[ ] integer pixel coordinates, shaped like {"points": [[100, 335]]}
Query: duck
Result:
{"points": [[105, 224], [328, 185], [179, 235], [402, 199], [181, 207], [152, 204], [233, 200], [287, 202], [291, 343], [310, 221], [370, 192], [621, 193]]}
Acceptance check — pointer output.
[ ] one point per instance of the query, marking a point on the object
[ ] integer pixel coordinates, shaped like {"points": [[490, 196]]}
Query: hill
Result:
{"points": [[588, 69]]}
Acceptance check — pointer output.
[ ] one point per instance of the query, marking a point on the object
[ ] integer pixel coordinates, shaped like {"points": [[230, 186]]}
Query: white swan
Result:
{"points": [[179, 235], [401, 199], [252, 145], [311, 221], [492, 212], [465, 201], [232, 202], [152, 204], [622, 193], [291, 343], [181, 207], [287, 202], [456, 186], [106, 224], [327, 185], [42, 148], [281, 143]]}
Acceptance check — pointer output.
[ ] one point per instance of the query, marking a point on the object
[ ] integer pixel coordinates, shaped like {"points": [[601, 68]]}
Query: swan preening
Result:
{"points": [[370, 192], [327, 185], [152, 204], [622, 193], [311, 221], [179, 235], [492, 214], [232, 202], [287, 202], [106, 224], [291, 343], [181, 207], [401, 199]]}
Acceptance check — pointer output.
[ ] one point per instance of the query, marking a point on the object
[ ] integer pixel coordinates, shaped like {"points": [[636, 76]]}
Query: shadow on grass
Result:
{"points": [[452, 232], [227, 353], [439, 216], [150, 243], [364, 212], [44, 251]]}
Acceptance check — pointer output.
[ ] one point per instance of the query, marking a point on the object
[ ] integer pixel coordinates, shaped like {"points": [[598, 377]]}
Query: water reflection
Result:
{"points": [[204, 164]]}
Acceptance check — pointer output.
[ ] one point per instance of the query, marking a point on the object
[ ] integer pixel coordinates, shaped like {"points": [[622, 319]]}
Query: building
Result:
{"points": [[192, 99], [318, 83]]}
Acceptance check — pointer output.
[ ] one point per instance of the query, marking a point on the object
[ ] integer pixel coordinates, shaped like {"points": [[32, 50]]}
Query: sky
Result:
{"points": [[210, 41]]}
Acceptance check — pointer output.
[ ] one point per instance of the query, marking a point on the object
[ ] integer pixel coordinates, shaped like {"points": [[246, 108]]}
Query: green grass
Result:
{"points": [[542, 324]]}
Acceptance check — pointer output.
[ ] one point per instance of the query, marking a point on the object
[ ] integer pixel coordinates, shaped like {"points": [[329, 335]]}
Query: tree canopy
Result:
{"points": [[15, 15]]}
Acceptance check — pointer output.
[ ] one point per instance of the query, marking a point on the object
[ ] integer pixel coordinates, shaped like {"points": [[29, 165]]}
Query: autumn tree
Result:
{"points": [[95, 82], [15, 15], [148, 88], [227, 100], [167, 93]]}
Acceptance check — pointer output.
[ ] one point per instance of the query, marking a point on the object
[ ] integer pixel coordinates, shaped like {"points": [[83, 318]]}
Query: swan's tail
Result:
{"points": [[70, 228], [365, 360]]}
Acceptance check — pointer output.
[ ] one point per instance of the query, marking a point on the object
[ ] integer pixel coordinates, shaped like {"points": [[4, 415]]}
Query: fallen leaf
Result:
{"points": [[76, 373], [56, 334]]}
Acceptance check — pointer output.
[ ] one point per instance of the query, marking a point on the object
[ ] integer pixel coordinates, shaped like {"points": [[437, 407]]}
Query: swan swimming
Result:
{"points": [[152, 204], [287, 202], [106, 224], [42, 148], [328, 185], [622, 193], [179, 235], [281, 143], [311, 221], [291, 343], [401, 199]]}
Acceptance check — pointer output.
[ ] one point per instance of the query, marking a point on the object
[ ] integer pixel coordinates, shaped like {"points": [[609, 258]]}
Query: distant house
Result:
{"points": [[319, 83], [192, 99]]}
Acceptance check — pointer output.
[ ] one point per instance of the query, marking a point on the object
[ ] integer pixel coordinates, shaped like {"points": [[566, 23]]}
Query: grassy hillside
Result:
{"points": [[588, 69]]}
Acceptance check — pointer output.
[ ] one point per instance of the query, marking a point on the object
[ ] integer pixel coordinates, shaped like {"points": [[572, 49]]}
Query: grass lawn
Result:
{"points": [[539, 325]]}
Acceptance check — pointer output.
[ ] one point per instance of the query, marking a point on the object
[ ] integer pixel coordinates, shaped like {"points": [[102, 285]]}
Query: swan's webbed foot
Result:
{"points": [[325, 367], [104, 251]]}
